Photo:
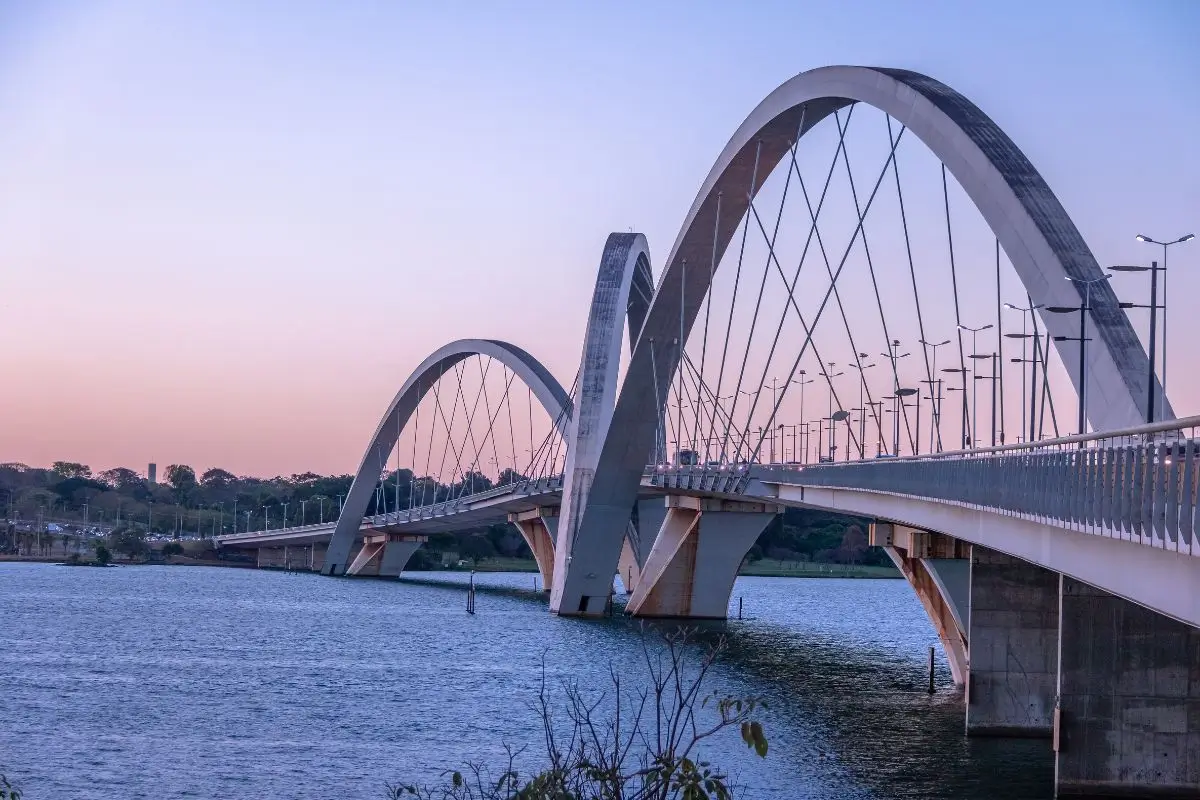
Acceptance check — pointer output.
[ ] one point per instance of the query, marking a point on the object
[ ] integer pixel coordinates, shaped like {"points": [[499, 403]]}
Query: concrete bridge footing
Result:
{"points": [[384, 555], [691, 568], [539, 529]]}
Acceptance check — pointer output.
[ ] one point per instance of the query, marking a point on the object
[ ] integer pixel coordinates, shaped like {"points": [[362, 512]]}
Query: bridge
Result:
{"points": [[1060, 570]]}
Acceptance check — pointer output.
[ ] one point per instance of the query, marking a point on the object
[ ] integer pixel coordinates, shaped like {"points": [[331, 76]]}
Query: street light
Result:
{"points": [[829, 376], [900, 395], [1164, 246], [935, 405], [862, 419], [964, 440], [974, 386], [1153, 269], [1023, 335], [1083, 312]]}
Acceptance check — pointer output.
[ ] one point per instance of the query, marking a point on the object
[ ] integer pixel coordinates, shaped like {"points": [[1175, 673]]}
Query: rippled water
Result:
{"points": [[163, 682]]}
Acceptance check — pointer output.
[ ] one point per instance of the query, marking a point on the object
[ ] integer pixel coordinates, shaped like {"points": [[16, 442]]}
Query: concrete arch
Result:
{"points": [[624, 291], [1033, 228], [527, 368]]}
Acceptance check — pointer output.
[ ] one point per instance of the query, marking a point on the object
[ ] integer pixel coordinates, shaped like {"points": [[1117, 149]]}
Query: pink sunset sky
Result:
{"points": [[229, 231]]}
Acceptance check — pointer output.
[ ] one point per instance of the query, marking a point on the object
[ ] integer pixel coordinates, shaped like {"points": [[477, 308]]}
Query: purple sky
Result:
{"points": [[228, 231]]}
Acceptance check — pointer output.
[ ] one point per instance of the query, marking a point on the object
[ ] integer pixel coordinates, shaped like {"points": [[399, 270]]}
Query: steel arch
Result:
{"points": [[1035, 231], [544, 386]]}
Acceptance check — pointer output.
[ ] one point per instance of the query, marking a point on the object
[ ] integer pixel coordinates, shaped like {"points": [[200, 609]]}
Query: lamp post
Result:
{"points": [[829, 376], [1164, 246], [963, 440], [935, 405], [802, 381], [862, 418], [1153, 269], [993, 378], [893, 355], [876, 407], [974, 394], [1023, 336], [834, 418], [1083, 312], [900, 395]]}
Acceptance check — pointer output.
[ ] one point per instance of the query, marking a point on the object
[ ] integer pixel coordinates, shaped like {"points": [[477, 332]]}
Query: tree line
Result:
{"points": [[218, 501]]}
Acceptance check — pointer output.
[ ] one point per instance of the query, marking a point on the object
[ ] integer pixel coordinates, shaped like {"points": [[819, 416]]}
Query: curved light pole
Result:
{"points": [[974, 385], [829, 376], [935, 400], [1153, 305], [1154, 302], [893, 355], [1083, 312], [862, 418], [1024, 335]]}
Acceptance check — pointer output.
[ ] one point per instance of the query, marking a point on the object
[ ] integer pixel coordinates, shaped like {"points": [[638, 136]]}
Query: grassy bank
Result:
{"points": [[763, 568], [808, 569]]}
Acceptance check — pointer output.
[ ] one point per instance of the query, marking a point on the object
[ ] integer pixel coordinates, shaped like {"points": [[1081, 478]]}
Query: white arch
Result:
{"points": [[1040, 239], [623, 290], [547, 390]]}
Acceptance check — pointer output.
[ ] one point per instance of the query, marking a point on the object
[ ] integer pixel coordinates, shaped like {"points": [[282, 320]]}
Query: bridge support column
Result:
{"points": [[938, 569], [643, 528], [1014, 647], [385, 555], [695, 558], [1129, 699], [539, 529]]}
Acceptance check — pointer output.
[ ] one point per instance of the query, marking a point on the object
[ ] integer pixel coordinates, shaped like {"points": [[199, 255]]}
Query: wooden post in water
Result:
{"points": [[931, 670], [471, 594], [739, 607]]}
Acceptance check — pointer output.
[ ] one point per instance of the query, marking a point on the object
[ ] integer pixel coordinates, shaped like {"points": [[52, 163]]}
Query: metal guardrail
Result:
{"points": [[1138, 484], [416, 514]]}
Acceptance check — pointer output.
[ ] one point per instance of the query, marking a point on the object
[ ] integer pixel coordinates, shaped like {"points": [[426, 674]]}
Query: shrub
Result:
{"points": [[621, 745]]}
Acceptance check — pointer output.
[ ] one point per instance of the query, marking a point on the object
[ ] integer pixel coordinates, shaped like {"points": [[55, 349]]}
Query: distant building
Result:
{"points": [[152, 472]]}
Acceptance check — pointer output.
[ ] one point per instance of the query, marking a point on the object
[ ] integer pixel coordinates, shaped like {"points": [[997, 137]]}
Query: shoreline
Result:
{"points": [[781, 570]]}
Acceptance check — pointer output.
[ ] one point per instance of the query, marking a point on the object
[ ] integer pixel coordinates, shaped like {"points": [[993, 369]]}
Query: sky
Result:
{"points": [[229, 231]]}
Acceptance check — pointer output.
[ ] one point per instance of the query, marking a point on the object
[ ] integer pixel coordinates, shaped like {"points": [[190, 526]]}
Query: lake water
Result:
{"points": [[166, 682]]}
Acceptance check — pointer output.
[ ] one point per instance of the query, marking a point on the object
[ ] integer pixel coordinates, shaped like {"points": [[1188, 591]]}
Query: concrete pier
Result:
{"points": [[1013, 647], [539, 529], [695, 558], [1129, 699]]}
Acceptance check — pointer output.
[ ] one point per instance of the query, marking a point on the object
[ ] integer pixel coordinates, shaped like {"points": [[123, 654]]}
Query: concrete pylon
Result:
{"points": [[1014, 646], [539, 528], [1128, 720], [385, 554], [935, 566], [639, 539], [695, 558]]}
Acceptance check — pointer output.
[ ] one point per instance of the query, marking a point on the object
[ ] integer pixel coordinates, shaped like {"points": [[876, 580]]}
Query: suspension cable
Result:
{"points": [[968, 430]]}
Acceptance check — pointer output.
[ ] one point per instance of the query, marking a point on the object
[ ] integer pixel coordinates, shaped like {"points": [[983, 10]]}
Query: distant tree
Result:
{"points": [[71, 469], [217, 478], [854, 545], [123, 479], [509, 475], [182, 479], [129, 541], [103, 556], [476, 548], [172, 549]]}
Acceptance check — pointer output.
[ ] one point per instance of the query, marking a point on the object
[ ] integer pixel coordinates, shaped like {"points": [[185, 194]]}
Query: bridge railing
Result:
{"points": [[1139, 484], [454, 505]]}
